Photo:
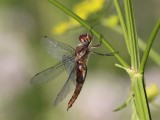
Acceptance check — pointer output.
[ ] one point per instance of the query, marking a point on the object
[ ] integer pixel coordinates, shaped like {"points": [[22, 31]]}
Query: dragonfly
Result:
{"points": [[74, 61]]}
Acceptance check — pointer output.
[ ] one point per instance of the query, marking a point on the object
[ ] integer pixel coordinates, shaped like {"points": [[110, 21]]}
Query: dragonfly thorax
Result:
{"points": [[81, 54]]}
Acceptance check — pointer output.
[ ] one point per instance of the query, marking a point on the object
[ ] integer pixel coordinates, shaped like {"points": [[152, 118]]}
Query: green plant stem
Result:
{"points": [[85, 24], [149, 45], [141, 103], [140, 107], [137, 79], [153, 54], [132, 35], [123, 25], [142, 45]]}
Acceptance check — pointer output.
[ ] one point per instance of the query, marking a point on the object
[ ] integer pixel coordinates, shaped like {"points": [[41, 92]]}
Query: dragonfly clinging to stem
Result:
{"points": [[74, 61]]}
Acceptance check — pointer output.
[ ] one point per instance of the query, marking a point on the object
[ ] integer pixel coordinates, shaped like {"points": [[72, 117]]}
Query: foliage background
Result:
{"points": [[23, 23]]}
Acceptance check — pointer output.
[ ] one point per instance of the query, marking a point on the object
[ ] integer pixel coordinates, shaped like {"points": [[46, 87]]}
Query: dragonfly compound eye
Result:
{"points": [[85, 39]]}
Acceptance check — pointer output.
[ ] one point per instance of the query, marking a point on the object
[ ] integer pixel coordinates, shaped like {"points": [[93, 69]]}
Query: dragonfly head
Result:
{"points": [[85, 39]]}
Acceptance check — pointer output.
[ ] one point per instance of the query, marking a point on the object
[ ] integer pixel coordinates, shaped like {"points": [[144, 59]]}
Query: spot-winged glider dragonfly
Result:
{"points": [[74, 61]]}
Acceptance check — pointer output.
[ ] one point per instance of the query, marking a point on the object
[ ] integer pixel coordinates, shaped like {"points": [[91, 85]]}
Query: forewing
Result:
{"points": [[57, 49], [67, 87], [48, 74]]}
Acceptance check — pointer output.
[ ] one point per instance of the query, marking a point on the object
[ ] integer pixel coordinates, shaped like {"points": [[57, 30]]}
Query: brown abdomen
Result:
{"points": [[81, 74]]}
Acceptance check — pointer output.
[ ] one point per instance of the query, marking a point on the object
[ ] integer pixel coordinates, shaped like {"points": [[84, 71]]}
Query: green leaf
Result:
{"points": [[122, 106]]}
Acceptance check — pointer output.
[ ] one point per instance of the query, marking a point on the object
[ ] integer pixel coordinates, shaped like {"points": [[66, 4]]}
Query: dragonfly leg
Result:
{"points": [[108, 54], [100, 43]]}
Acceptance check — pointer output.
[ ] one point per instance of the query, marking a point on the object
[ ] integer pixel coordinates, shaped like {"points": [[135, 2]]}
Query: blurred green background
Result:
{"points": [[24, 22]]}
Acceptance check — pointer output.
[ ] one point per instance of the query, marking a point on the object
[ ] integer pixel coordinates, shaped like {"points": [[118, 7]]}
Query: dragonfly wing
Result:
{"points": [[69, 66], [67, 87], [57, 49], [49, 74]]}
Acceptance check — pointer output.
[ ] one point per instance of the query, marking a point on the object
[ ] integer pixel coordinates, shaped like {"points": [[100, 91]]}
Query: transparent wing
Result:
{"points": [[50, 73], [69, 66], [67, 88], [57, 49], [61, 51]]}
